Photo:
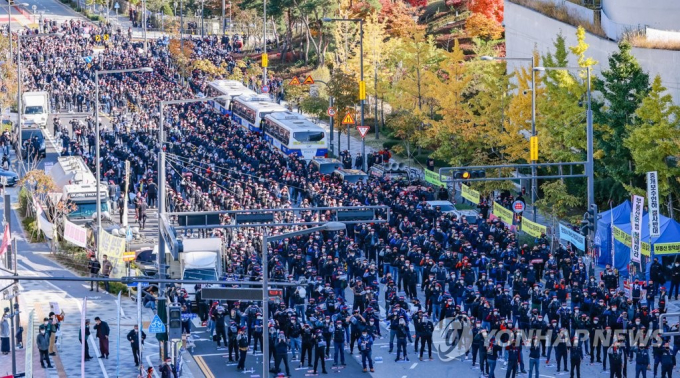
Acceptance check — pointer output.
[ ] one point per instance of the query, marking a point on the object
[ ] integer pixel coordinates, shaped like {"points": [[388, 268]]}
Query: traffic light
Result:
{"points": [[175, 322], [466, 175], [589, 222]]}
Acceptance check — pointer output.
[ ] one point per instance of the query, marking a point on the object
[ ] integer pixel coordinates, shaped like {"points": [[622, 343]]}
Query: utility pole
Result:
{"points": [[224, 25], [264, 43]]}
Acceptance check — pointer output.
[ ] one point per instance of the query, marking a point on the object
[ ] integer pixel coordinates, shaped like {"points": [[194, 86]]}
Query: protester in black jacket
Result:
{"points": [[133, 338]]}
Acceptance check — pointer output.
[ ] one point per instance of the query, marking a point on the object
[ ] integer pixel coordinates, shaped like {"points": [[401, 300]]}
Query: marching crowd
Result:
{"points": [[403, 278]]}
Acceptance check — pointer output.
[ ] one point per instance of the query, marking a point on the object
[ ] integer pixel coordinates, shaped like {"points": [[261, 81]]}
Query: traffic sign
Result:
{"points": [[330, 111], [97, 38], [156, 325], [117, 5], [348, 120], [134, 284], [533, 143], [518, 206], [295, 81], [128, 233], [106, 37], [309, 80], [363, 130], [265, 89]]}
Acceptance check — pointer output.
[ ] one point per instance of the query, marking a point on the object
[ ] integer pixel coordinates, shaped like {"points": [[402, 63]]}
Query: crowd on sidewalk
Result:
{"points": [[427, 266]]}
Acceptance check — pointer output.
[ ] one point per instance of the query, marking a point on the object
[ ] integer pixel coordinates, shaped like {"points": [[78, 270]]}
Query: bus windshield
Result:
{"points": [[308, 136], [33, 110]]}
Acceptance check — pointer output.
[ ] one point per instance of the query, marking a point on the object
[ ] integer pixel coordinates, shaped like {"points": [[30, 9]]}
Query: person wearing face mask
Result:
{"points": [[102, 331], [595, 342], [402, 334], [426, 330], [675, 280], [365, 344], [166, 370], [93, 266], [43, 344], [667, 361], [641, 360]]}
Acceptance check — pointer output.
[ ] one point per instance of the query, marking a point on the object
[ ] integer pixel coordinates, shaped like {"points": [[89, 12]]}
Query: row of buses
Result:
{"points": [[291, 133]]}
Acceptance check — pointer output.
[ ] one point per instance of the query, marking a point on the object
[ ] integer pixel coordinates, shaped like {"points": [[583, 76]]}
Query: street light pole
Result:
{"points": [[330, 226], [181, 25], [146, 46], [264, 43], [96, 141]]}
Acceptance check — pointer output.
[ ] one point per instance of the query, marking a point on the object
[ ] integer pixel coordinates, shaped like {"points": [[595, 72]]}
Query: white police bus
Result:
{"points": [[226, 90], [294, 134], [249, 111]]}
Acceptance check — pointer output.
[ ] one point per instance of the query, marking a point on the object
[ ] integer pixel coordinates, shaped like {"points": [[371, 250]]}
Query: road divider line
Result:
{"points": [[204, 367], [414, 365], [148, 360]]}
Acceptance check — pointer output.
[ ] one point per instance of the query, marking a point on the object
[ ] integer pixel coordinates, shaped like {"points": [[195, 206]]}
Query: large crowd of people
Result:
{"points": [[399, 279]]}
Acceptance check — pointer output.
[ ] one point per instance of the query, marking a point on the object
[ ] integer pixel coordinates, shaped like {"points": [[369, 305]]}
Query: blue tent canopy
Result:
{"points": [[603, 238]]}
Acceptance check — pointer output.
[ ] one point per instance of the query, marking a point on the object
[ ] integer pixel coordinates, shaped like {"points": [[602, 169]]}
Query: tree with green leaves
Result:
{"points": [[563, 112], [653, 137], [623, 87]]}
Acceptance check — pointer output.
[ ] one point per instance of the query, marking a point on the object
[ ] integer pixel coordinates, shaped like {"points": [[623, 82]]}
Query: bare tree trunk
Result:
{"points": [[307, 39]]}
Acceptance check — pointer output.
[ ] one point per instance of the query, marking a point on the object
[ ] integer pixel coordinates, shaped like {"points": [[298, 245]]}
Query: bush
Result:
{"points": [[32, 230], [24, 200], [116, 287], [389, 144]]}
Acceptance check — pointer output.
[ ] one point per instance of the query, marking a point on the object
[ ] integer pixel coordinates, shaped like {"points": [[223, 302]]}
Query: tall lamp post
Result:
{"points": [[590, 170], [361, 78], [9, 25], [330, 226], [19, 97], [96, 141], [534, 181]]}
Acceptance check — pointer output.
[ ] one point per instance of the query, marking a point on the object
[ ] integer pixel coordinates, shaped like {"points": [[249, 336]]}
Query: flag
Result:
{"points": [[5, 240], [88, 59]]}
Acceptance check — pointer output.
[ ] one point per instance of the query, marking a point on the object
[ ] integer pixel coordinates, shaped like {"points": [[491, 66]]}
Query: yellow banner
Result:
{"points": [[504, 214], [470, 194], [533, 229], [659, 248], [113, 247], [433, 178]]}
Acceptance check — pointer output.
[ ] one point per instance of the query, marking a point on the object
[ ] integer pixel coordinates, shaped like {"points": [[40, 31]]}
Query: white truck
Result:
{"points": [[78, 186], [200, 260], [35, 108]]}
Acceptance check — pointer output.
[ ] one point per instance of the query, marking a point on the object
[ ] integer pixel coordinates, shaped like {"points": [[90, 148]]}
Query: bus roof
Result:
{"points": [[267, 107], [293, 121]]}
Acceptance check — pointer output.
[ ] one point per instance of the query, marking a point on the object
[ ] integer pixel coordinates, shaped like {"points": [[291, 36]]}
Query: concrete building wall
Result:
{"points": [[657, 14], [526, 29]]}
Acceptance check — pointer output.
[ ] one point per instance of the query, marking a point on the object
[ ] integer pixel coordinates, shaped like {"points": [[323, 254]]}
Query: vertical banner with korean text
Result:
{"points": [[636, 229], [653, 204]]}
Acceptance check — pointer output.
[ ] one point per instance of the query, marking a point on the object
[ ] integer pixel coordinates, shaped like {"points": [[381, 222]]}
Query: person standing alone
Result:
{"points": [[93, 267], [43, 343], [107, 267], [133, 338], [102, 331]]}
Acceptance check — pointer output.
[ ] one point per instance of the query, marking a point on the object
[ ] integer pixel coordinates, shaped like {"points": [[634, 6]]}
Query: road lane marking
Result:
{"points": [[414, 365], [155, 373], [204, 367]]}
